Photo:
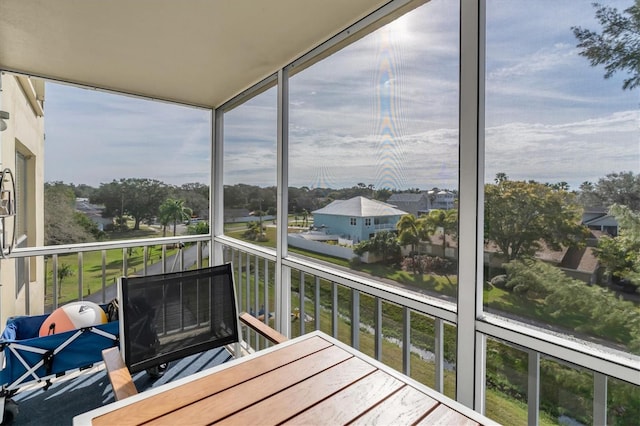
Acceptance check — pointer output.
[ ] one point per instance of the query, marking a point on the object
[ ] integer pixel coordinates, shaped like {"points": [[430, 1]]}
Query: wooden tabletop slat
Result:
{"points": [[445, 416], [305, 394], [404, 407], [222, 404], [148, 409], [350, 402]]}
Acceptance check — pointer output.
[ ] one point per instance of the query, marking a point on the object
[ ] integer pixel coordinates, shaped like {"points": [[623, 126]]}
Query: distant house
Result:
{"points": [[421, 203], [598, 219], [357, 219], [442, 200], [413, 203]]}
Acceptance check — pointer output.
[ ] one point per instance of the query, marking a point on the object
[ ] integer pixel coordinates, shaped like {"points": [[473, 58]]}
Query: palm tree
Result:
{"points": [[64, 271], [409, 231], [447, 220], [164, 221], [387, 245], [174, 211]]}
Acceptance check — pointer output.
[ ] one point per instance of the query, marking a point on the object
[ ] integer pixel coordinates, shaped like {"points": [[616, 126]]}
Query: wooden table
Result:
{"points": [[313, 379]]}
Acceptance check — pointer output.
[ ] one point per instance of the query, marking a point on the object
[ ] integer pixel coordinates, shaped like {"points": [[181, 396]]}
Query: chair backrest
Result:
{"points": [[119, 375], [169, 316]]}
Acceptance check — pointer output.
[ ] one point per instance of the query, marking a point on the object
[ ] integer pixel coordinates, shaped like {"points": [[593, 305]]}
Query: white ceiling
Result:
{"points": [[200, 52]]}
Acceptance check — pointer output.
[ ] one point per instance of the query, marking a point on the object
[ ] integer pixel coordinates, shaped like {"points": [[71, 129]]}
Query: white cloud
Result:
{"points": [[544, 59], [572, 152]]}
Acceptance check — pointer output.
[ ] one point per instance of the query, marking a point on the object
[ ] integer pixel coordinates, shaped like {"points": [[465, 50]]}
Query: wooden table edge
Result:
{"points": [[85, 419]]}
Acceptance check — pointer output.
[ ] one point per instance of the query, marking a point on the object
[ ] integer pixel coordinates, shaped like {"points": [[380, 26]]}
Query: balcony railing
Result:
{"points": [[412, 332], [407, 330], [171, 257], [386, 226]]}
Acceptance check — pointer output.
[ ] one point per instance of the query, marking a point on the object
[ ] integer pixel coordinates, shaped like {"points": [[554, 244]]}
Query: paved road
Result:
{"points": [[190, 258]]}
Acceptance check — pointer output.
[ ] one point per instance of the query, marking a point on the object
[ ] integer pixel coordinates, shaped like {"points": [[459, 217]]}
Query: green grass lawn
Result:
{"points": [[92, 267]]}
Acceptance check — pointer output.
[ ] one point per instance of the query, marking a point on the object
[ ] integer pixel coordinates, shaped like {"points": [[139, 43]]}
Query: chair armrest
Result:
{"points": [[261, 328], [119, 376]]}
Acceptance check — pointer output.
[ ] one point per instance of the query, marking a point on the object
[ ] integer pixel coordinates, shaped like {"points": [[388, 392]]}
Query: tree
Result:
{"points": [[255, 232], [198, 228], [500, 177], [611, 318], [64, 271], [409, 231], [587, 196], [83, 190], [615, 188], [447, 220], [111, 196], [617, 47], [440, 266], [138, 198], [164, 221], [89, 225], [591, 309], [259, 213], [414, 264], [174, 211], [532, 278], [620, 255], [384, 244], [430, 264], [560, 186], [521, 216], [195, 195], [62, 224], [143, 198]]}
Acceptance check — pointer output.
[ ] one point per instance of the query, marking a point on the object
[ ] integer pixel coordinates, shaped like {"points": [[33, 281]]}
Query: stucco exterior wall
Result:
{"points": [[341, 225], [23, 100]]}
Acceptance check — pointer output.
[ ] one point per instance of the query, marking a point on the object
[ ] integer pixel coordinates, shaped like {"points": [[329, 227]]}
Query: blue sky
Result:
{"points": [[383, 111], [94, 137]]}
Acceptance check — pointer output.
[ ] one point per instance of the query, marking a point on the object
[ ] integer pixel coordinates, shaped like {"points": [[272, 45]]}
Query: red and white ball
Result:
{"points": [[72, 316]]}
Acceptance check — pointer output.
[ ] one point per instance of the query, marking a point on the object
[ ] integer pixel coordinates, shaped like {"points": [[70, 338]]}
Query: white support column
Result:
{"points": [[438, 345], [216, 189], [80, 269], [406, 341], [355, 319], [599, 399], [533, 389], [378, 329], [481, 377], [470, 257], [283, 273]]}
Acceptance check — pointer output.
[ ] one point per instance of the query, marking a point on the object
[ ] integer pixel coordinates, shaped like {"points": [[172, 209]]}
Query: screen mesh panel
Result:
{"points": [[169, 316]]}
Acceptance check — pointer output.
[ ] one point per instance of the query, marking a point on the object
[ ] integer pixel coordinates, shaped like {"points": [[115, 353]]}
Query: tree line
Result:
{"points": [[141, 200], [146, 200], [538, 211]]}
